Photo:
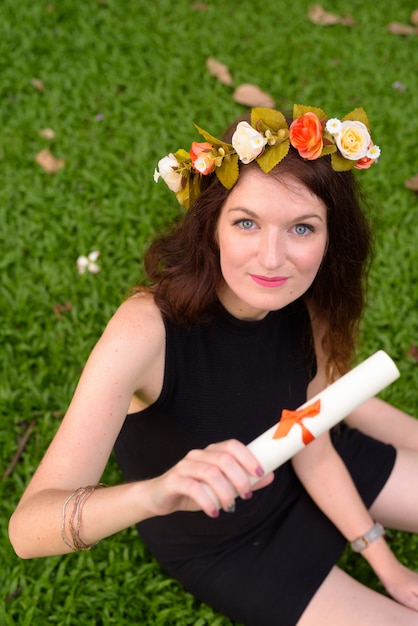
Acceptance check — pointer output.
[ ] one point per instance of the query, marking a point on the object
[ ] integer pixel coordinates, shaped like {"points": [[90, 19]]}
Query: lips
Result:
{"points": [[269, 281]]}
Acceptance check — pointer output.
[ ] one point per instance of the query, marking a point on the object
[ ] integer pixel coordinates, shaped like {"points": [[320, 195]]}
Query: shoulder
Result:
{"points": [[137, 319], [134, 338]]}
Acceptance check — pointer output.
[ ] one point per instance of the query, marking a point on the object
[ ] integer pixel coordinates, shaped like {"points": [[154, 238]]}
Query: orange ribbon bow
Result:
{"points": [[289, 418]]}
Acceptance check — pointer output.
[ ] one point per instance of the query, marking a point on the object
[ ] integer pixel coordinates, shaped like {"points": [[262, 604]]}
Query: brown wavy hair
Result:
{"points": [[183, 266]]}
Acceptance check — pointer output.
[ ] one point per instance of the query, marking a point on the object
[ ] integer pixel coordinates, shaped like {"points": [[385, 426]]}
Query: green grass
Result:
{"points": [[123, 83]]}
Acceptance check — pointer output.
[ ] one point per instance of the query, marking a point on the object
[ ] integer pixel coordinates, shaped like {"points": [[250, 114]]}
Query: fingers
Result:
{"points": [[240, 452], [212, 478], [231, 470], [405, 588]]}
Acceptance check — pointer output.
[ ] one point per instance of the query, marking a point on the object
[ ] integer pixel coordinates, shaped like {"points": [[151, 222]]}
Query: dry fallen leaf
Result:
{"points": [[200, 6], [38, 84], [47, 133], [48, 162], [219, 71], [319, 16], [62, 308], [413, 352], [396, 28], [414, 17], [252, 96], [412, 183]]}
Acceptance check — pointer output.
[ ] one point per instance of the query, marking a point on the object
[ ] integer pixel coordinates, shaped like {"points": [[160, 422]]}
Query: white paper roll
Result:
{"points": [[336, 402]]}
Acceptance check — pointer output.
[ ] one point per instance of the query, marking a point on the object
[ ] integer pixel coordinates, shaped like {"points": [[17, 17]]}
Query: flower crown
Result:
{"points": [[267, 141]]}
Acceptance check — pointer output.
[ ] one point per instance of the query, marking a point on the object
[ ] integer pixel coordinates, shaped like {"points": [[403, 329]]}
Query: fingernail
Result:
{"points": [[248, 495], [259, 471], [231, 507], [215, 513]]}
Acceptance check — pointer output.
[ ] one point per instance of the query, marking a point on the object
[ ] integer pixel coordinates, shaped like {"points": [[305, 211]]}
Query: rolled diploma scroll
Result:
{"points": [[336, 402]]}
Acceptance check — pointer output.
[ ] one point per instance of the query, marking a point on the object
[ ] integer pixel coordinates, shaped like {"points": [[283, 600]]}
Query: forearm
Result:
{"points": [[327, 480], [329, 484], [36, 528], [386, 423]]}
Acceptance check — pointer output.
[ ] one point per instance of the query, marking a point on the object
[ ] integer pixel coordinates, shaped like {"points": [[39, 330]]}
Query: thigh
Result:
{"points": [[396, 506], [343, 601]]}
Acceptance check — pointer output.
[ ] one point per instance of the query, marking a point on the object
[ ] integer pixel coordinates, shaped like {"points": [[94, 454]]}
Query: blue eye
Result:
{"points": [[245, 223], [303, 229]]}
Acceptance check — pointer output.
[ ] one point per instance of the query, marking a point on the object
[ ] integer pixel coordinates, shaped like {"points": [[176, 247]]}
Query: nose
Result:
{"points": [[272, 250]]}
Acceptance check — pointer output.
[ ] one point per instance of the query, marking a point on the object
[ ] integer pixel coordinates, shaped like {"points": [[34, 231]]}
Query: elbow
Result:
{"points": [[18, 538]]}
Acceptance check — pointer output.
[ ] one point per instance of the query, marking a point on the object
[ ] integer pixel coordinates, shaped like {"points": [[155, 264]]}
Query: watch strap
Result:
{"points": [[376, 531]]}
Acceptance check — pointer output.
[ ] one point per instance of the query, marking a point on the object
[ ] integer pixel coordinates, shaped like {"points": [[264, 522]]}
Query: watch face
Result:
{"points": [[362, 542], [359, 544]]}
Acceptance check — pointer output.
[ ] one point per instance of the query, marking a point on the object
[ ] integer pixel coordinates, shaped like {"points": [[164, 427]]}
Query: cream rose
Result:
{"points": [[167, 170], [247, 142], [353, 140]]}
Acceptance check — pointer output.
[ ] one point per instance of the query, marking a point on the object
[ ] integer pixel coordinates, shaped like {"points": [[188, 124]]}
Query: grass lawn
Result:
{"points": [[120, 83]]}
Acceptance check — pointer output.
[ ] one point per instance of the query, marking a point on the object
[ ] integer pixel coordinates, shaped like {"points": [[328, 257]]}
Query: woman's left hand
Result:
{"points": [[403, 586]]}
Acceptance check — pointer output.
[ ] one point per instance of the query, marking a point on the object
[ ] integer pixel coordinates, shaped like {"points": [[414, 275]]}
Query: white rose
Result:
{"points": [[353, 140], [167, 170], [247, 142]]}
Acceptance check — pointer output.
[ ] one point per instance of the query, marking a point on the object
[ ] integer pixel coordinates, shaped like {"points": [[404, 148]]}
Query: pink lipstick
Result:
{"points": [[269, 281]]}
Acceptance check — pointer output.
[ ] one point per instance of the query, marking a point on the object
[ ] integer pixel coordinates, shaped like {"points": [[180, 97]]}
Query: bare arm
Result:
{"points": [[128, 358], [327, 480], [386, 423], [81, 448]]}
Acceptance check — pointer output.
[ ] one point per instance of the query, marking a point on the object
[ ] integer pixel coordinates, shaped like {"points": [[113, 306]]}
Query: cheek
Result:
{"points": [[310, 262], [231, 253], [227, 263]]}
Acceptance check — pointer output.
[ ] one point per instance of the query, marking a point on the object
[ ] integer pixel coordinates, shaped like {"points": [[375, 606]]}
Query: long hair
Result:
{"points": [[184, 270]]}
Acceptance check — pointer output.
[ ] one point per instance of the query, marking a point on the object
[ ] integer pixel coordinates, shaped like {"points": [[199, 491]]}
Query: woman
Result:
{"points": [[253, 307]]}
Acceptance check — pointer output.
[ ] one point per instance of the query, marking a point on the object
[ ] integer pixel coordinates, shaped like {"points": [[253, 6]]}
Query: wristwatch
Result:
{"points": [[362, 542]]}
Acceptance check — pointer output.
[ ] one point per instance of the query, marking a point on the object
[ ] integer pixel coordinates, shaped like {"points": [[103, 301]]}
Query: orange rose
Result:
{"points": [[202, 157], [373, 153], [364, 163], [305, 134]]}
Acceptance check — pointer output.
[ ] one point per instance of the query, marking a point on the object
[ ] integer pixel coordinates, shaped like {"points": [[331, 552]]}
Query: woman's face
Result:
{"points": [[272, 237]]}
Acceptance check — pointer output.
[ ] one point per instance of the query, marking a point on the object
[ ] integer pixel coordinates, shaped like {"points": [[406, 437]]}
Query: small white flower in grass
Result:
{"points": [[333, 126], [88, 263], [399, 86]]}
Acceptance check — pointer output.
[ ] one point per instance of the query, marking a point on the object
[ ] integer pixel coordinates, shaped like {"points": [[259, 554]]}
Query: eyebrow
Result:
{"points": [[305, 216]]}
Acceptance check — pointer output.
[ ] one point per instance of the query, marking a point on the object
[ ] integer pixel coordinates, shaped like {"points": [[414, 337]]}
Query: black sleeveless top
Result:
{"points": [[231, 379], [225, 379]]}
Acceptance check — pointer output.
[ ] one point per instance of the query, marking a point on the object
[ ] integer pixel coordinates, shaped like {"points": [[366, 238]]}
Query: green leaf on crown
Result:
{"points": [[272, 155], [182, 156], [264, 119], [190, 192], [328, 149], [358, 115], [183, 196], [228, 172], [340, 164], [300, 109], [213, 140]]}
